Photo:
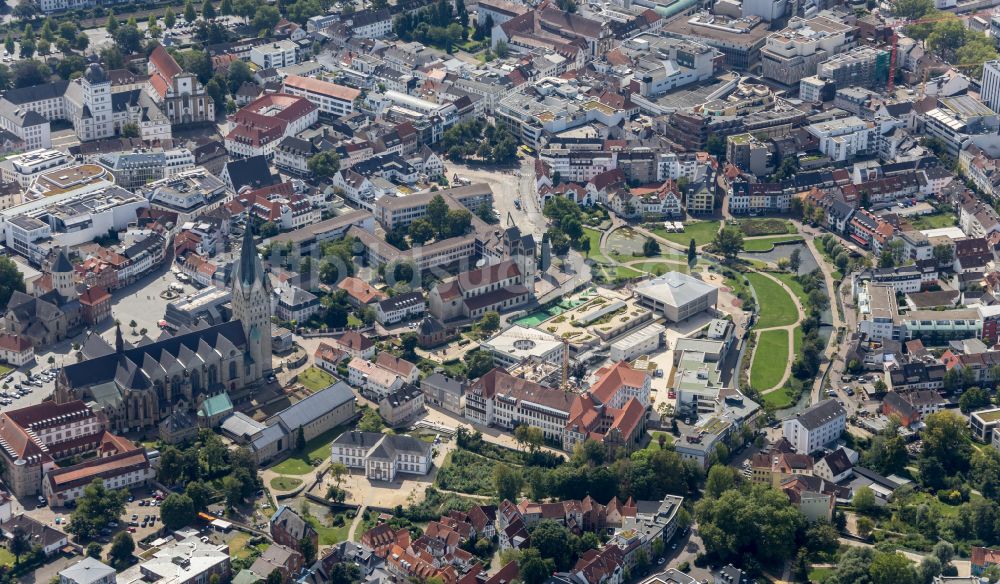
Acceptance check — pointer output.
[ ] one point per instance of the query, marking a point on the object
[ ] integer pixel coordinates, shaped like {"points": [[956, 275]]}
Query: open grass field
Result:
{"points": [[7, 558], [330, 535], [300, 463], [654, 443], [790, 281], [779, 399], [702, 231], [660, 268], [819, 574], [776, 306], [595, 246], [932, 221], [285, 483], [315, 379], [766, 226], [767, 243], [769, 360]]}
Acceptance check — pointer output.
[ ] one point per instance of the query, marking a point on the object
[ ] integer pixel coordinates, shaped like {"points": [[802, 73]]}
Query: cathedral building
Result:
{"points": [[137, 387]]}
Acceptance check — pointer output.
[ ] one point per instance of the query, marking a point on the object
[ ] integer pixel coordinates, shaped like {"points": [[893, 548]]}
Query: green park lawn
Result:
{"points": [[776, 306], [595, 246], [654, 442], [6, 558], [790, 281], [819, 574], [767, 243], [702, 231], [779, 399], [660, 268], [932, 221], [317, 448], [330, 535], [315, 379], [285, 483], [769, 360]]}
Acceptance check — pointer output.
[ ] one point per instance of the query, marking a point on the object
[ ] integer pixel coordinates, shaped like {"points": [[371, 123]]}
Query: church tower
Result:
{"points": [[252, 306], [62, 276]]}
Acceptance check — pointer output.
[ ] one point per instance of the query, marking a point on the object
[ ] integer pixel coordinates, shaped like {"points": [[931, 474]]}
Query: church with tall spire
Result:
{"points": [[252, 305], [137, 386]]}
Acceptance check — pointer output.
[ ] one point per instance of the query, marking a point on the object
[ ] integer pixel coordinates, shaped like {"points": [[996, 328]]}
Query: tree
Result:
{"points": [[8, 43], [974, 398], [27, 48], [25, 10], [94, 550], [692, 254], [478, 364], [421, 231], [199, 494], [530, 436], [755, 520], [457, 222], [19, 544], [324, 164], [121, 550], [177, 511], [944, 551], [864, 501], [233, 490], [226, 8], [437, 213], [239, 73], [949, 34], [268, 229], [507, 481], [190, 15], [112, 24], [795, 260], [894, 568], [584, 245], [345, 573], [370, 421], [130, 130], [44, 47], [930, 567], [169, 18], [533, 568], [720, 479], [307, 547], [946, 439], [912, 9], [485, 212], [650, 247], [489, 322], [275, 577], [95, 508], [728, 242], [300, 440], [265, 18], [128, 38], [716, 146], [207, 10], [552, 542], [864, 526], [10, 280]]}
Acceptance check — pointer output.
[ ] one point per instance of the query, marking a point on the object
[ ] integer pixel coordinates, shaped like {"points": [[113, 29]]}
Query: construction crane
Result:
{"points": [[894, 39]]}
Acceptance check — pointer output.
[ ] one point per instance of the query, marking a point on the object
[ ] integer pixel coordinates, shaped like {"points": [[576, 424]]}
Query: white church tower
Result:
{"points": [[62, 276], [252, 306]]}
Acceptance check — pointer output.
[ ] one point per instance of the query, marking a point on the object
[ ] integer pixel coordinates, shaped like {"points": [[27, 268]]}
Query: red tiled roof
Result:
{"points": [[14, 343], [613, 379], [94, 295]]}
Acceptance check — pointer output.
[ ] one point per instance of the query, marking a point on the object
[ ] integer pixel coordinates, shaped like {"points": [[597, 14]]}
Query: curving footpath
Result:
{"points": [[790, 328]]}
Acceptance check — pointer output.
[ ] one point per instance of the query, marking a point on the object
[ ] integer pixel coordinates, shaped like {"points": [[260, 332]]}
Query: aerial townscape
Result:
{"points": [[500, 292]]}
